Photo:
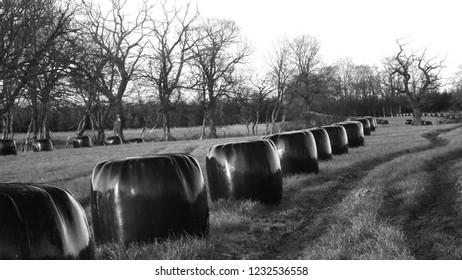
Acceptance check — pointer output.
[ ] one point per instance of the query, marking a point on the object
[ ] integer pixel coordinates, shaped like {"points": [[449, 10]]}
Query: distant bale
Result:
{"points": [[113, 140], [323, 145], [8, 147], [245, 170], [409, 122], [145, 198], [372, 122], [338, 139], [39, 221], [43, 145], [355, 133], [82, 142], [297, 152], [366, 125]]}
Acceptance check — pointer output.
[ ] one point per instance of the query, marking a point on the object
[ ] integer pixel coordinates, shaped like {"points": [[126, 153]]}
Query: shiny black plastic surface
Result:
{"points": [[39, 221], [82, 142], [8, 147], [43, 145], [144, 198], [297, 152], [323, 145], [338, 139], [245, 170], [113, 140], [366, 125], [355, 133], [372, 122]]}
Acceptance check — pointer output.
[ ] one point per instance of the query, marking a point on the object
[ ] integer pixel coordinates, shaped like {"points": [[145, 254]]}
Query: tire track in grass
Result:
{"points": [[433, 228], [312, 219]]}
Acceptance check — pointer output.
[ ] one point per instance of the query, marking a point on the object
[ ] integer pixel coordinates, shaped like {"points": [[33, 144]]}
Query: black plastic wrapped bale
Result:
{"points": [[366, 125], [355, 133], [145, 198], [43, 145], [372, 122], [297, 152], [82, 142], [39, 221], [113, 140], [245, 170], [322, 143], [338, 139], [8, 147]]}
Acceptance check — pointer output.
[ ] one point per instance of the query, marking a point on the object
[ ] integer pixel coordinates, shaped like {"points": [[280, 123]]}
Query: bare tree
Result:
{"points": [[280, 73], [121, 42], [218, 52], [414, 75], [171, 45], [307, 61], [260, 92], [28, 32]]}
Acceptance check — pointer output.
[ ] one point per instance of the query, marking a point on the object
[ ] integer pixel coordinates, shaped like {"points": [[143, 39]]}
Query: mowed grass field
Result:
{"points": [[397, 197]]}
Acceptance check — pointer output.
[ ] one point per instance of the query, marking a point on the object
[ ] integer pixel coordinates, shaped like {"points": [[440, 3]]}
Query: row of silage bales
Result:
{"points": [[238, 170], [146, 198]]}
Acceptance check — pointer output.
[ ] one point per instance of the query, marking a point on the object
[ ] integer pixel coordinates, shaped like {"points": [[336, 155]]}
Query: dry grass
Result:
{"points": [[368, 204]]}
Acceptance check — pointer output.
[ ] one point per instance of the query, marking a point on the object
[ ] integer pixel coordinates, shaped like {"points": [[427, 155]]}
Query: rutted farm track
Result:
{"points": [[295, 232]]}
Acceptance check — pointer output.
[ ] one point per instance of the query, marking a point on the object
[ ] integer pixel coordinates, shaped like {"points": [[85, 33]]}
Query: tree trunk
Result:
{"points": [[417, 116], [119, 109], [7, 120], [283, 120], [255, 124], [204, 121], [212, 114], [167, 136]]}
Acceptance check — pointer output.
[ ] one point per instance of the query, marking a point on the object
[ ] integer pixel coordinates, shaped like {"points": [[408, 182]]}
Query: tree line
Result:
{"points": [[77, 65]]}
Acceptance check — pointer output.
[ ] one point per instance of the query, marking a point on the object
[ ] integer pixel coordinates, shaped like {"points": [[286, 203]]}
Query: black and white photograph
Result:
{"points": [[231, 138]]}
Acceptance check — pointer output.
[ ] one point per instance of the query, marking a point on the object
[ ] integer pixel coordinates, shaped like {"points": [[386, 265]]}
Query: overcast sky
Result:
{"points": [[364, 30]]}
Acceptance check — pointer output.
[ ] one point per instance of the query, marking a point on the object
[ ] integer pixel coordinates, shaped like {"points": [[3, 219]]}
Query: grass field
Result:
{"points": [[398, 197]]}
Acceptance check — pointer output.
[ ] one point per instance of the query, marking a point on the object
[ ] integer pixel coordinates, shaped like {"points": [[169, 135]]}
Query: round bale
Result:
{"points": [[43, 145], [355, 133], [113, 140], [82, 142], [297, 152], [322, 143], [7, 147], [144, 198], [366, 125], [39, 221], [338, 139], [245, 170], [372, 122]]}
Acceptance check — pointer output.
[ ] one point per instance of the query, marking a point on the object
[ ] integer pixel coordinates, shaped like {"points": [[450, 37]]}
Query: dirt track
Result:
{"points": [[440, 202]]}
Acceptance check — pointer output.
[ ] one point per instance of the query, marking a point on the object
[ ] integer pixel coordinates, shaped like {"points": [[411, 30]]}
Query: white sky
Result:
{"points": [[365, 31]]}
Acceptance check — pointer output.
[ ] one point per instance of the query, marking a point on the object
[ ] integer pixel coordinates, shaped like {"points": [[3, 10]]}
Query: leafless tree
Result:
{"points": [[121, 41], [29, 30], [171, 46], [219, 50], [307, 61], [280, 73], [261, 89], [414, 75]]}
